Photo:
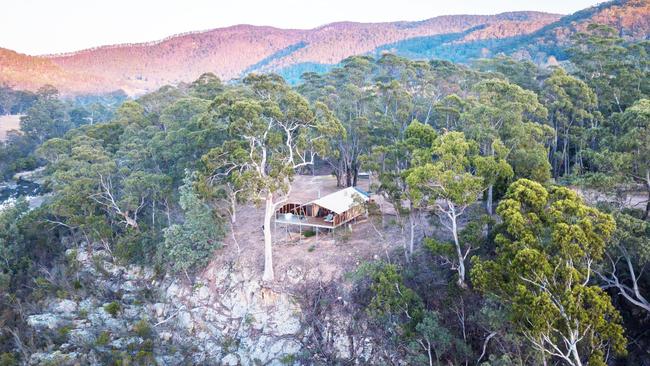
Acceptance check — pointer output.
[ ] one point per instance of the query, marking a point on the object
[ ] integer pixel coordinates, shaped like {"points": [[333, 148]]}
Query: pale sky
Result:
{"points": [[52, 26]]}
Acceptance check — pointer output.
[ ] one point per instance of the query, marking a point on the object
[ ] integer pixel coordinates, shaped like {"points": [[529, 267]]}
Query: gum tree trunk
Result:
{"points": [[268, 240]]}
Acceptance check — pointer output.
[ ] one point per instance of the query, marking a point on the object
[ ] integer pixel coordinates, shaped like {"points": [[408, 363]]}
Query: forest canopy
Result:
{"points": [[502, 155]]}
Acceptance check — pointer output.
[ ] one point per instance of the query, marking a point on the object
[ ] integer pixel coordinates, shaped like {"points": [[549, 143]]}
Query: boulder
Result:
{"points": [[64, 307], [230, 360], [43, 321]]}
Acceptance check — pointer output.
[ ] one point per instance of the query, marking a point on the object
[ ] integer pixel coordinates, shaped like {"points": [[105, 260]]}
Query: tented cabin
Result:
{"points": [[327, 212]]}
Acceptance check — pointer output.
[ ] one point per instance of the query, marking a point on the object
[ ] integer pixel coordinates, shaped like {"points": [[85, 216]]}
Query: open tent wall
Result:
{"points": [[329, 211]]}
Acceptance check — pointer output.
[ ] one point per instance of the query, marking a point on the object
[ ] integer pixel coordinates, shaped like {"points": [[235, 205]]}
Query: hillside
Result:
{"points": [[230, 52], [234, 51], [29, 73]]}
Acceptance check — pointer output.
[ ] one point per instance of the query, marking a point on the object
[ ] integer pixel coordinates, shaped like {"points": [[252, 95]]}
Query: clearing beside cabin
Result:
{"points": [[330, 255]]}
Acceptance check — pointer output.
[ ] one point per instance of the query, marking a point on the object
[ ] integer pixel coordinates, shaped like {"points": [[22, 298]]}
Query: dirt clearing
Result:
{"points": [[327, 256]]}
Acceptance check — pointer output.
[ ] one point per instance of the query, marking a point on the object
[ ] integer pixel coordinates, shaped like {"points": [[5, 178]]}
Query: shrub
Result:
{"points": [[8, 359], [189, 246], [103, 338], [309, 233], [145, 354], [288, 359], [142, 329], [113, 308], [311, 248]]}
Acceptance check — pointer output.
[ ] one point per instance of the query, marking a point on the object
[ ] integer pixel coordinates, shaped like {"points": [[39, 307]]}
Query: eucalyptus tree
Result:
{"points": [[449, 185], [349, 93], [628, 255], [634, 144], [618, 71], [274, 131], [47, 117], [572, 108], [77, 164], [392, 162], [625, 153], [504, 114], [207, 86], [546, 250], [190, 244], [523, 73]]}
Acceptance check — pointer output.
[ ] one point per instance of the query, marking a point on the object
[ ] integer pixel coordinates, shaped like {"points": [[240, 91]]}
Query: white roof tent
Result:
{"points": [[329, 211], [343, 200]]}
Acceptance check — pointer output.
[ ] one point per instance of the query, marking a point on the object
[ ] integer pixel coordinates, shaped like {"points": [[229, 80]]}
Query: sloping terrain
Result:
{"points": [[234, 51]]}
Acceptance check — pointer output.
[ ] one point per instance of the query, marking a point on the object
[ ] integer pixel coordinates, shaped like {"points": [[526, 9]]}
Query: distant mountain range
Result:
{"points": [[234, 51]]}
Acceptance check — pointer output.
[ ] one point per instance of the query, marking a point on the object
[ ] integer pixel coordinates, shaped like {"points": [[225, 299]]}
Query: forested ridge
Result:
{"points": [[522, 195]]}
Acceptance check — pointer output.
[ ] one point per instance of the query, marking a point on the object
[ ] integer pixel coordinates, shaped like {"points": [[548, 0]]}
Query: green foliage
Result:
{"points": [[11, 247], [191, 244], [8, 359], [113, 308], [392, 302], [431, 336], [103, 338], [309, 233], [289, 359], [615, 69], [142, 329], [572, 107], [448, 185], [504, 114], [546, 247]]}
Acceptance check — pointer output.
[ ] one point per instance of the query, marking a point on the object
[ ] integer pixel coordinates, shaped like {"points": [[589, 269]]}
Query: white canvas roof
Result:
{"points": [[342, 200]]}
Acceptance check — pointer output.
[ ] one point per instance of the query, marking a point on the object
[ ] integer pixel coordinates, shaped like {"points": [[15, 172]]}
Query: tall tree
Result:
{"points": [[190, 244], [449, 185], [572, 107], [617, 70], [547, 248], [275, 131], [504, 114], [349, 95], [627, 257], [47, 117], [392, 163]]}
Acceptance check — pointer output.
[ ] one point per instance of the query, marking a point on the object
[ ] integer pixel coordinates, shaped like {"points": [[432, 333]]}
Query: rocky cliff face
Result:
{"points": [[226, 317]]}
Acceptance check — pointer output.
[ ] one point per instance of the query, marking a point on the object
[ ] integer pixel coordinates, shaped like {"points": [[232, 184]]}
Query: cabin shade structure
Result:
{"points": [[327, 212]]}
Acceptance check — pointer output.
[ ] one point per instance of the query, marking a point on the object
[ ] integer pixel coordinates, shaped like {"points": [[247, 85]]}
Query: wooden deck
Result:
{"points": [[307, 221]]}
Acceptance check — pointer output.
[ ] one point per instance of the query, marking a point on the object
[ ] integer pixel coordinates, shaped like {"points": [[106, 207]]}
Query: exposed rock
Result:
{"points": [[54, 358], [64, 307], [230, 360], [184, 319], [235, 322], [42, 321], [342, 345], [81, 337], [123, 343]]}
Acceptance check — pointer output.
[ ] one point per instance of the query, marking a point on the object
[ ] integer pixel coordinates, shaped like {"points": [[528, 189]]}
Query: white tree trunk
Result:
{"points": [[459, 252], [490, 194], [268, 240], [412, 232], [576, 355], [233, 210]]}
